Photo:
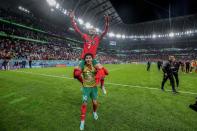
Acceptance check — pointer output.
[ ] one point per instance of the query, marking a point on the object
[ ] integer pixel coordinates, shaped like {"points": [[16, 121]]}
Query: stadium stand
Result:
{"points": [[25, 36]]}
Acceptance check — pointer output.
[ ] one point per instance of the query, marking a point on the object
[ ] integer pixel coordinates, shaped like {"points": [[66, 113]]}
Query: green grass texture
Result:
{"points": [[48, 99]]}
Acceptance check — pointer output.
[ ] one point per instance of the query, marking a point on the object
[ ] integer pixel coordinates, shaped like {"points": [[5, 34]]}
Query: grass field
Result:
{"points": [[48, 100]]}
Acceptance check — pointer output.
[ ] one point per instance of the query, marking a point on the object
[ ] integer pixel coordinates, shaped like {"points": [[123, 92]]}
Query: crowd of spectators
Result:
{"points": [[20, 49], [37, 51], [58, 49], [31, 21], [154, 56], [54, 49]]}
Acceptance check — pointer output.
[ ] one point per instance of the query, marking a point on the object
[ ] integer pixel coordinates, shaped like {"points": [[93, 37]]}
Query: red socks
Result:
{"points": [[83, 112], [94, 107], [102, 82]]}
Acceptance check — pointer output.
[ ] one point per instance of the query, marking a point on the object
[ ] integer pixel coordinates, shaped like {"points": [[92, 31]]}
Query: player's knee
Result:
{"points": [[94, 102], [84, 103]]}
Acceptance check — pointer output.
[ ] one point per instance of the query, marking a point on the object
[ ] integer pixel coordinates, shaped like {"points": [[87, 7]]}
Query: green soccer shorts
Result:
{"points": [[91, 92]]}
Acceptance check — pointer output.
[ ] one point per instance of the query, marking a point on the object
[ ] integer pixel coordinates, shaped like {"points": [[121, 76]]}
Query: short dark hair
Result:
{"points": [[88, 54]]}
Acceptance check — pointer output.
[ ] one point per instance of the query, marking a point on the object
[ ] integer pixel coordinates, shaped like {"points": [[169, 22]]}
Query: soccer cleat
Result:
{"points": [[95, 116], [82, 125], [104, 90]]}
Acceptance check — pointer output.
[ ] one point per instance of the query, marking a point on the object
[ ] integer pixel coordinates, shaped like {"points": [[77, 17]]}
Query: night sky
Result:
{"points": [[136, 11]]}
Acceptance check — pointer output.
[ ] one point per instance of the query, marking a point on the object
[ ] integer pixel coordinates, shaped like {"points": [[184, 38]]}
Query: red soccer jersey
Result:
{"points": [[90, 45]]}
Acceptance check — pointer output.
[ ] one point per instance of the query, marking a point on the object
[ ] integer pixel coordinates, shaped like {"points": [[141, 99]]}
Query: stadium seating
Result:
{"points": [[35, 39]]}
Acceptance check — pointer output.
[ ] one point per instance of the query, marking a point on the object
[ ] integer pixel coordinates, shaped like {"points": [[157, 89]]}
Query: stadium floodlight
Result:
{"points": [[23, 9], [88, 25], [111, 34], [118, 36], [171, 34], [51, 2], [142, 37], [131, 37], [57, 6], [187, 32], [97, 30], [80, 21], [154, 36], [65, 12], [123, 36], [20, 8]]}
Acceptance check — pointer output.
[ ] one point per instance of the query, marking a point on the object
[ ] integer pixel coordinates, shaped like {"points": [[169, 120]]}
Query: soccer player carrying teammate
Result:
{"points": [[89, 88], [91, 43]]}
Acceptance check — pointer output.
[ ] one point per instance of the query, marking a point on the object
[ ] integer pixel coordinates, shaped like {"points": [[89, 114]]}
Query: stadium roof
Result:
{"points": [[142, 16], [91, 10], [138, 11], [94, 9]]}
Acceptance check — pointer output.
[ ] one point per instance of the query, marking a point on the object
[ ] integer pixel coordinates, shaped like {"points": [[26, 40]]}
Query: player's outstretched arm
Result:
{"points": [[106, 27], [74, 24]]}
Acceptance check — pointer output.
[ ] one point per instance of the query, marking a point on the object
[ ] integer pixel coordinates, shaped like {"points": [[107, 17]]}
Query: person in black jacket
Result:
{"points": [[168, 74], [175, 70], [187, 64], [30, 62], [159, 65], [148, 66]]}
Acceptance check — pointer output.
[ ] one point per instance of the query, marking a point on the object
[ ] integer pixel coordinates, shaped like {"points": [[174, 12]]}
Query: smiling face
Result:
{"points": [[92, 31], [88, 59]]}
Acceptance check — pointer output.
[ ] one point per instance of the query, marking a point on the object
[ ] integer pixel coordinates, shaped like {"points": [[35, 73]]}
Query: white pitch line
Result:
{"points": [[44, 75], [108, 83], [150, 88]]}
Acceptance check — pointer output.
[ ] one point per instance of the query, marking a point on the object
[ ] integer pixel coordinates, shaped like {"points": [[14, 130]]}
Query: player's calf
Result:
{"points": [[83, 115]]}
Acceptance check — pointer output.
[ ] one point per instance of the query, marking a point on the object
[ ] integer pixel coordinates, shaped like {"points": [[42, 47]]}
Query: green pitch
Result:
{"points": [[48, 100]]}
